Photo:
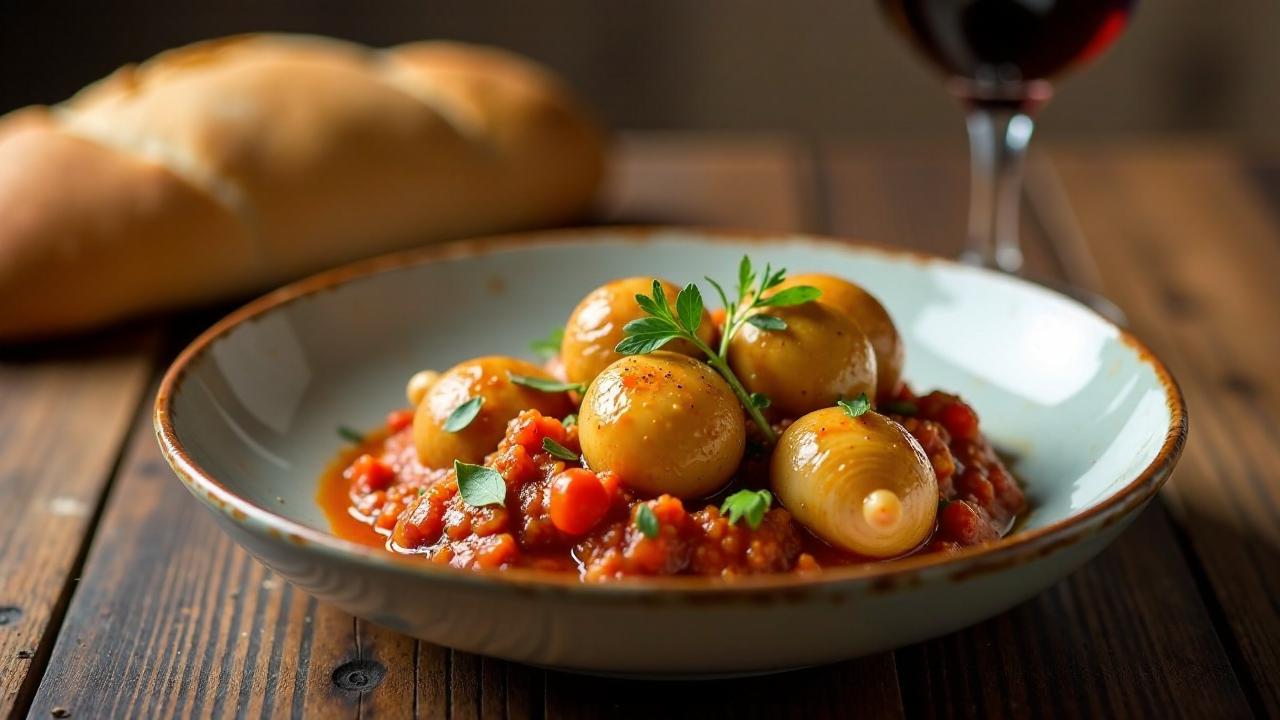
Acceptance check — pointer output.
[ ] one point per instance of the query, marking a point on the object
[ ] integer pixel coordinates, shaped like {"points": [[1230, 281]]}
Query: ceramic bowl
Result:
{"points": [[247, 416]]}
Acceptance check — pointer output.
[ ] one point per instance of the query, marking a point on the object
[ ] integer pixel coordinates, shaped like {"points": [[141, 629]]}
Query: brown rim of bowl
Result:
{"points": [[1009, 551]]}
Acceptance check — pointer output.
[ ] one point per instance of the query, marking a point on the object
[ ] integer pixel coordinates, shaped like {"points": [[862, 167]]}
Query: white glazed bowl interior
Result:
{"points": [[1083, 410]]}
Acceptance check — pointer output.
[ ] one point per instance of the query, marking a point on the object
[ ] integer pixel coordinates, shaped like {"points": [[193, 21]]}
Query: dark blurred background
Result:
{"points": [[824, 67]]}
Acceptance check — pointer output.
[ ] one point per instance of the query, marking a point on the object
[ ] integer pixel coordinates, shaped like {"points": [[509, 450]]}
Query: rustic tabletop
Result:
{"points": [[120, 598]]}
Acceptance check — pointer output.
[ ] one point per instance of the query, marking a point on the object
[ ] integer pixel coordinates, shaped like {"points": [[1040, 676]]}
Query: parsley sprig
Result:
{"points": [[663, 323], [749, 504]]}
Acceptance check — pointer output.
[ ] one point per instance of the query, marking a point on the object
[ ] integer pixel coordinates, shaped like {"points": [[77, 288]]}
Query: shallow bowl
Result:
{"points": [[247, 416]]}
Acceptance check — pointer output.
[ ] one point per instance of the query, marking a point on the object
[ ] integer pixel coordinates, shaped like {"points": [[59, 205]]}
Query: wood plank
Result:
{"points": [[171, 618], [64, 409], [1129, 630], [1207, 301], [751, 181]]}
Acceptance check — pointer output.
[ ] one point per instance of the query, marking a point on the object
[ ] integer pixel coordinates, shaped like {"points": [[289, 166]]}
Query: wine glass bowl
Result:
{"points": [[999, 57]]}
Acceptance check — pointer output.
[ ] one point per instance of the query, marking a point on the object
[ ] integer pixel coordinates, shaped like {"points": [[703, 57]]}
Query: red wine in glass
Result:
{"points": [[999, 56]]}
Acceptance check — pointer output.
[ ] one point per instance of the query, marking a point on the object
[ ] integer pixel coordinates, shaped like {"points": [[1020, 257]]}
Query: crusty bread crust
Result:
{"points": [[234, 164]]}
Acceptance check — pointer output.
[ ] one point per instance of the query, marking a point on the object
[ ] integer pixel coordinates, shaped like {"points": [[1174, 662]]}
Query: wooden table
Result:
{"points": [[120, 598]]}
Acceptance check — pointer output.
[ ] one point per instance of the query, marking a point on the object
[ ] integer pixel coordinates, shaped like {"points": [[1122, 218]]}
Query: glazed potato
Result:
{"points": [[595, 327], [486, 377], [870, 316], [863, 484], [822, 356], [665, 423]]}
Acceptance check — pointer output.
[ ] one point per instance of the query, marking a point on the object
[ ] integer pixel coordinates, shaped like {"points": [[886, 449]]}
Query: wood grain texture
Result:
{"points": [[64, 410], [171, 618], [1207, 301], [1129, 630]]}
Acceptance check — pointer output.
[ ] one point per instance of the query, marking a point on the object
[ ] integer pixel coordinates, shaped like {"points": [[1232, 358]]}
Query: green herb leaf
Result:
{"points": [[462, 415], [643, 344], [900, 408], [767, 322], [760, 400], [480, 486], [647, 304], [351, 436], [549, 346], [724, 297], [750, 504], [570, 420], [555, 449], [647, 521], [774, 280], [660, 299], [689, 307], [746, 278], [856, 407], [545, 385], [649, 325], [797, 295]]}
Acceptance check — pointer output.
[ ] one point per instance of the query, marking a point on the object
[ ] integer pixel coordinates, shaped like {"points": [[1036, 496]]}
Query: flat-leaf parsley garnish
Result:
{"points": [[555, 449], [750, 504], [545, 385], [480, 486], [662, 324], [351, 436], [856, 407], [647, 521], [462, 415]]}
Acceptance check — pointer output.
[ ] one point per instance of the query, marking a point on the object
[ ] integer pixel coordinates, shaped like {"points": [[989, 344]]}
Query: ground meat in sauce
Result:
{"points": [[421, 513]]}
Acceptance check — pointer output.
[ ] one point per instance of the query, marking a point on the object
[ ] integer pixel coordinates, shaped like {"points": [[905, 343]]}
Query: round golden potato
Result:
{"points": [[595, 327], [665, 423], [863, 484], [484, 377], [821, 356], [870, 316]]}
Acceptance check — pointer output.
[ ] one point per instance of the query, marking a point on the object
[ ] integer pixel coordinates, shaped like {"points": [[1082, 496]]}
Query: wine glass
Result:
{"points": [[1000, 56]]}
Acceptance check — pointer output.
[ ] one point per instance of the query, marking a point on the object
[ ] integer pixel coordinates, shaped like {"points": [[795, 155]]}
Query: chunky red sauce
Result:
{"points": [[380, 495]]}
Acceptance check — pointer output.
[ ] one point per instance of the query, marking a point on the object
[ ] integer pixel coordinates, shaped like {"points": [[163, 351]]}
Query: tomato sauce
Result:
{"points": [[378, 494]]}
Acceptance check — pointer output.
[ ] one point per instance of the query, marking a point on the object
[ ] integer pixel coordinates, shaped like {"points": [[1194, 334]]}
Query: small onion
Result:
{"points": [[821, 357], [863, 484], [595, 327], [488, 378], [664, 423], [869, 314]]}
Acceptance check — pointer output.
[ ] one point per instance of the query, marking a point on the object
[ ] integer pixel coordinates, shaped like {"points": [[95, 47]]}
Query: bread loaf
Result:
{"points": [[231, 165]]}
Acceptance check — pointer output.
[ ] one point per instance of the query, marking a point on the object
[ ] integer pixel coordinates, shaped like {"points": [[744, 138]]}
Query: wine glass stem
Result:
{"points": [[998, 140]]}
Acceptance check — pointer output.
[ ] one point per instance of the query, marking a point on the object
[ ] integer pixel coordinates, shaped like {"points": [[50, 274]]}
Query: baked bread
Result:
{"points": [[231, 165]]}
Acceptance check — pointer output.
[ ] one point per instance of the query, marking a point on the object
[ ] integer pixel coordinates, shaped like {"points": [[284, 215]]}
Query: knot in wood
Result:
{"points": [[359, 676], [9, 614]]}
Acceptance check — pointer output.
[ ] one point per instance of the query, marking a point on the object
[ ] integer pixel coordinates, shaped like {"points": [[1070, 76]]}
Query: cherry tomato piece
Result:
{"points": [[578, 501], [368, 474]]}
